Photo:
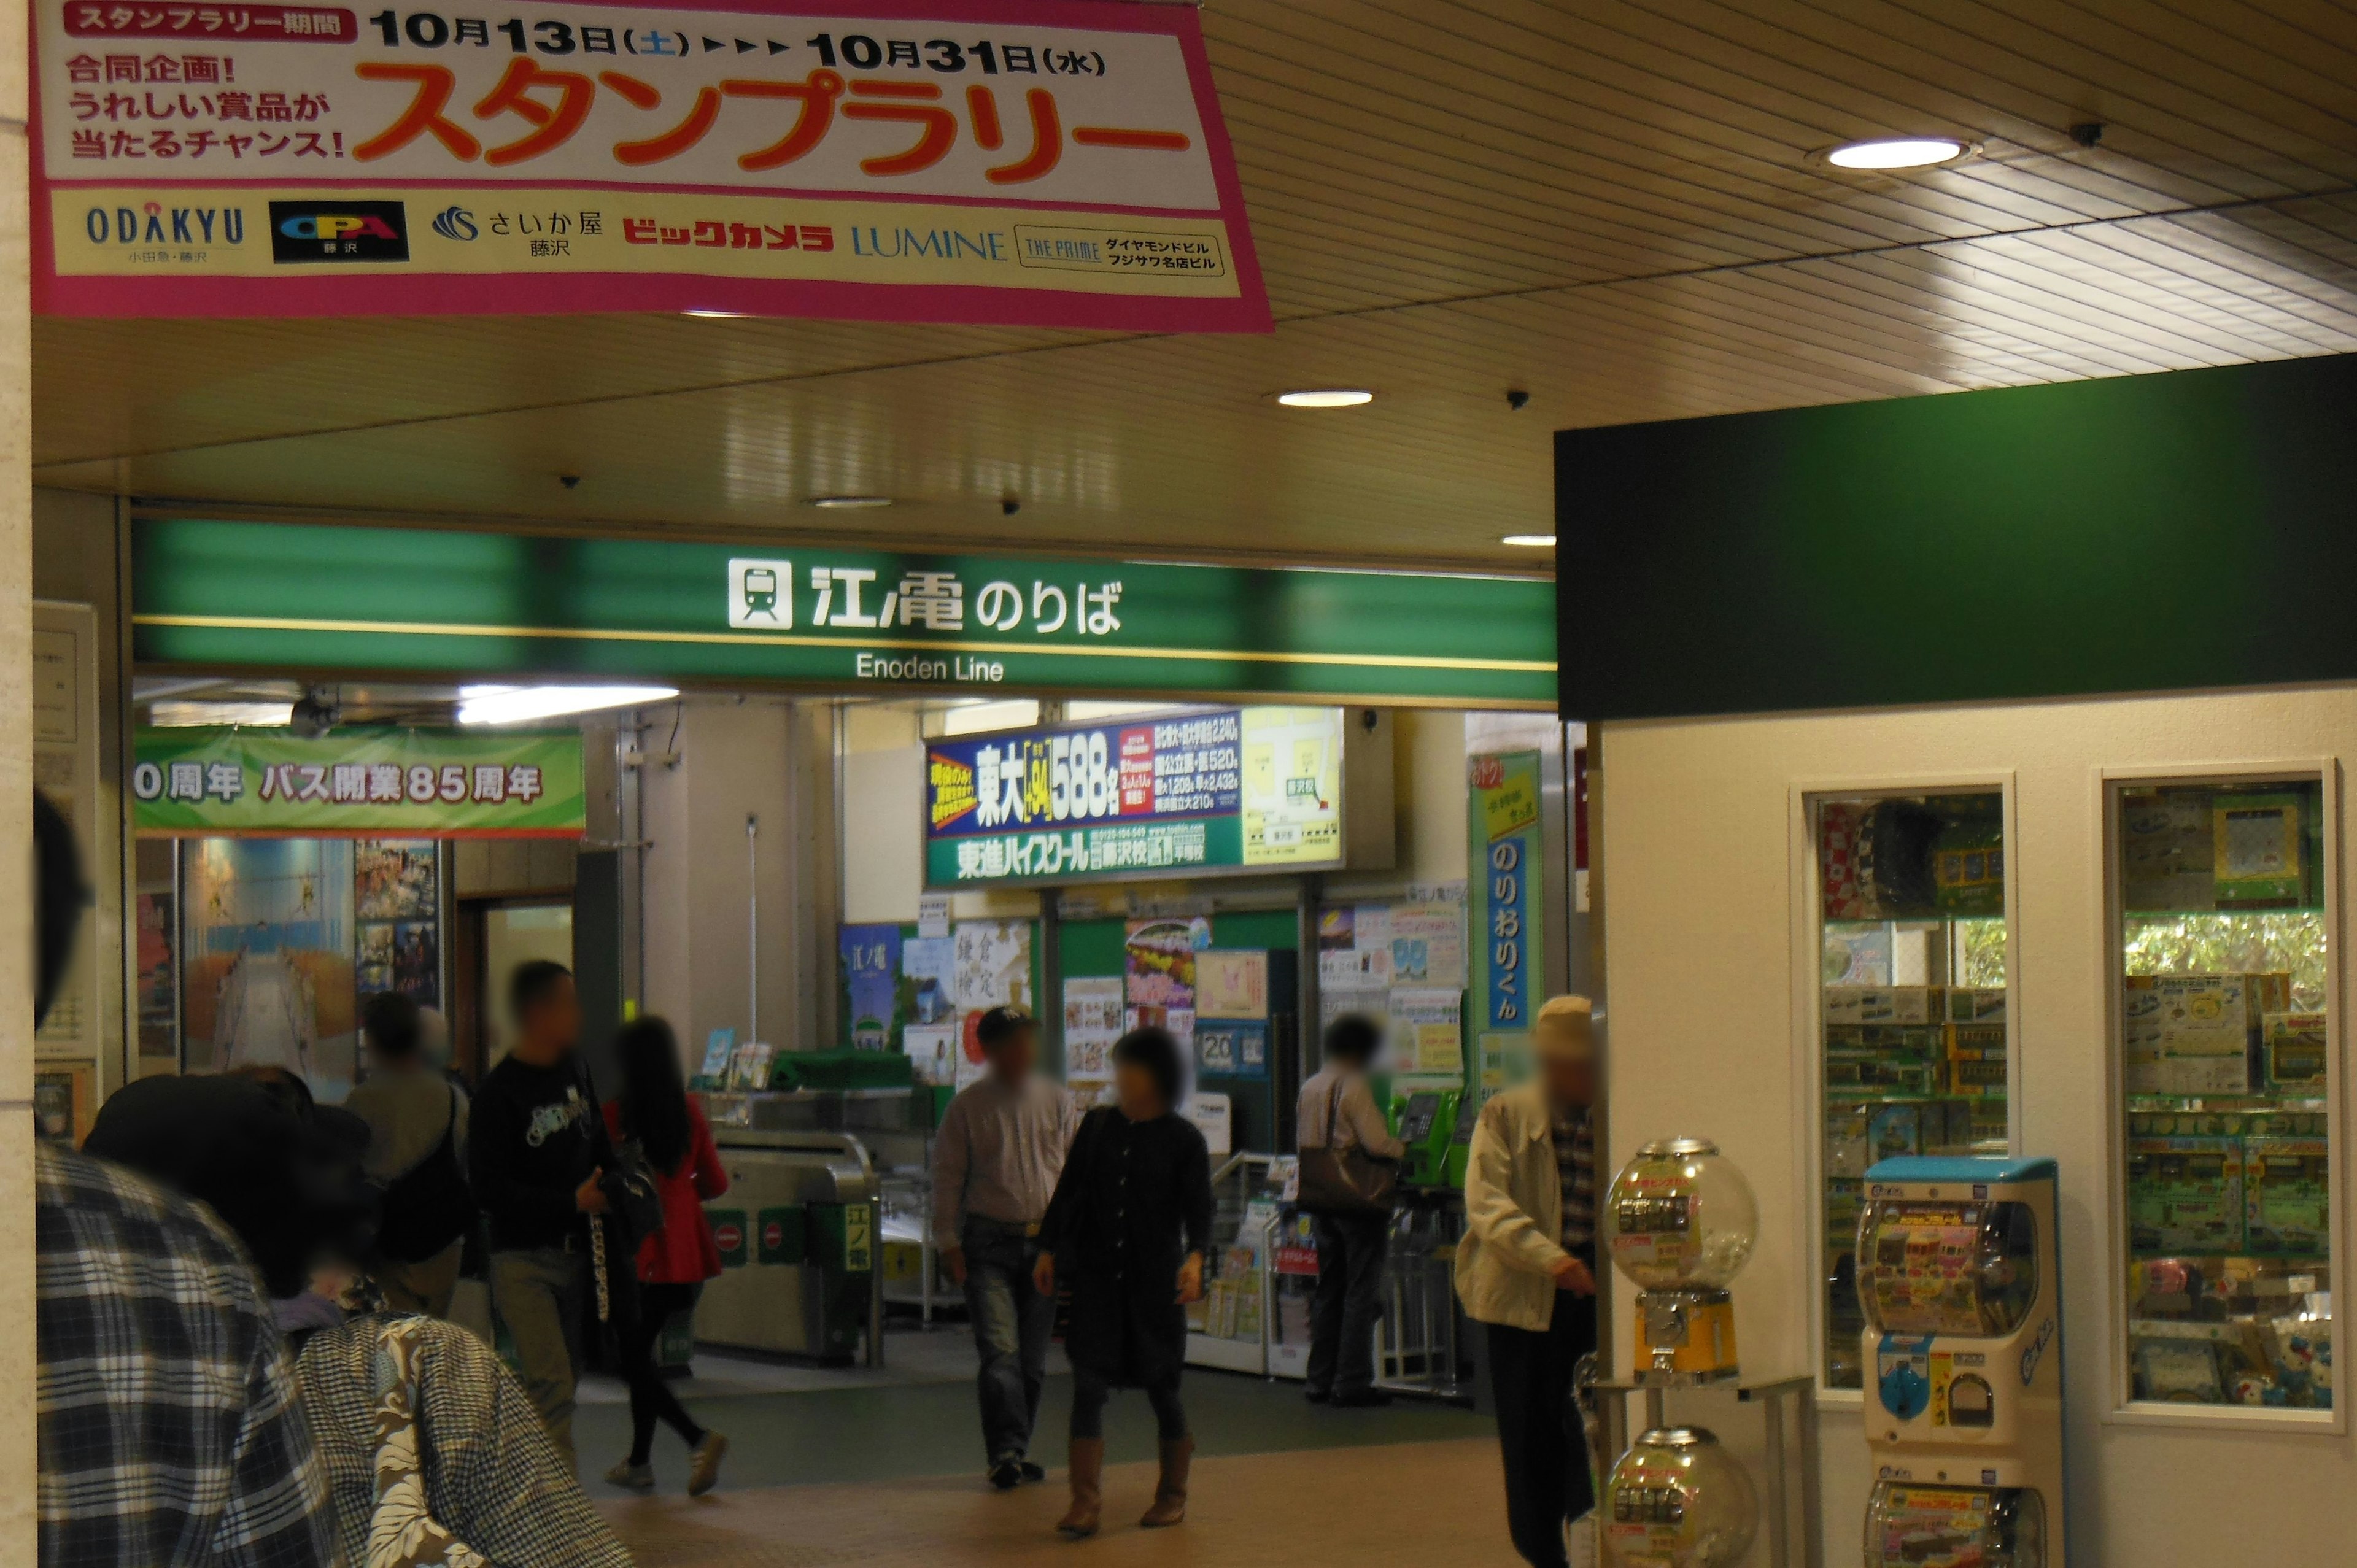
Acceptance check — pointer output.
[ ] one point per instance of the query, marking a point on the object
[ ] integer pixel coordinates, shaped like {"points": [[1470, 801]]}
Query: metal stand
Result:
{"points": [[1783, 1473]]}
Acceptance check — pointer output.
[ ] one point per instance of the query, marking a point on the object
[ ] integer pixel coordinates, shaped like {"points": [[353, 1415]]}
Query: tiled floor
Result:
{"points": [[1429, 1503]]}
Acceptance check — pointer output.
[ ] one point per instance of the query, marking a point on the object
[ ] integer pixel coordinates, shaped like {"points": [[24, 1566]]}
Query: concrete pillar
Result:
{"points": [[17, 1460]]}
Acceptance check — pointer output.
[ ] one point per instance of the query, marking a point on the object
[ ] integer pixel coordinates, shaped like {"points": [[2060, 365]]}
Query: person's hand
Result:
{"points": [[589, 1197], [953, 1260], [1573, 1275], [1043, 1275], [1190, 1280]]}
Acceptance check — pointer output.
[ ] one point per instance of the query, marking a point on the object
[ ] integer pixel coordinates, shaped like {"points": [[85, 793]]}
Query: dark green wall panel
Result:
{"points": [[2194, 529]]}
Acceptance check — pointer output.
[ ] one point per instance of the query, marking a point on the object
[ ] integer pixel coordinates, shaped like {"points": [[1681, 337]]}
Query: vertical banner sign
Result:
{"points": [[1502, 884], [1057, 163]]}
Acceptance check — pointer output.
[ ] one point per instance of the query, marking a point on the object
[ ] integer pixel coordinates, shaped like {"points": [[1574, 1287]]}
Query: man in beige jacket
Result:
{"points": [[1526, 1270]]}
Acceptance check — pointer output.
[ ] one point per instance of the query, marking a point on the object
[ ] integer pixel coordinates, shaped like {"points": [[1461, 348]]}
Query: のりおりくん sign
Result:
{"points": [[1058, 162]]}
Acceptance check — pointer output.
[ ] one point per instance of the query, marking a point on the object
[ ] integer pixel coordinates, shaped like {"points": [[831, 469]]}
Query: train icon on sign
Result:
{"points": [[761, 595]]}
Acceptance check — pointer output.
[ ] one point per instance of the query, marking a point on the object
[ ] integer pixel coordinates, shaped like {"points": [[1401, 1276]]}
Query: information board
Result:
{"points": [[1183, 794]]}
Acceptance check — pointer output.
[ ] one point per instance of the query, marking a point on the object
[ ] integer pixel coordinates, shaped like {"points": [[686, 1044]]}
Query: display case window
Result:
{"points": [[1912, 1008], [2226, 1064]]}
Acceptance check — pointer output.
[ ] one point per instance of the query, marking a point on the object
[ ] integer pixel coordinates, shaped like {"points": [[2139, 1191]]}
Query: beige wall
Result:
{"points": [[16, 1371], [1707, 955]]}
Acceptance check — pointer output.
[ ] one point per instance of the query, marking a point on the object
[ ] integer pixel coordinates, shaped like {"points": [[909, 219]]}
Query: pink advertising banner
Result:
{"points": [[1040, 161]]}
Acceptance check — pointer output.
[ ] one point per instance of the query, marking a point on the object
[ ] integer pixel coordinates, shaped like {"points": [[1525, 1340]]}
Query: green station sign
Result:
{"points": [[393, 783], [288, 596]]}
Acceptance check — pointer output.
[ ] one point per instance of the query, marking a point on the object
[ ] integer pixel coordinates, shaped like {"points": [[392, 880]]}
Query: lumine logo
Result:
{"points": [[339, 232]]}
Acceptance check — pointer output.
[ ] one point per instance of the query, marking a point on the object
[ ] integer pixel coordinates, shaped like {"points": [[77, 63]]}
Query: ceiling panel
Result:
{"points": [[1609, 203]]}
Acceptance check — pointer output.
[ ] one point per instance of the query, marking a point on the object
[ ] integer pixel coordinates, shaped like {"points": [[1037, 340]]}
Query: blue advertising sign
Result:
{"points": [[1230, 789]]}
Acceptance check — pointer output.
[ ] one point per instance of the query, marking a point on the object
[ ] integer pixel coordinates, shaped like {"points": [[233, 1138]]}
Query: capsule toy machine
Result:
{"points": [[1962, 1350]]}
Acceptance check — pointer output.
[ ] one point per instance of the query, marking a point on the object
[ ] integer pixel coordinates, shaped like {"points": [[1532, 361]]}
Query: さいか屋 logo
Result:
{"points": [[339, 232]]}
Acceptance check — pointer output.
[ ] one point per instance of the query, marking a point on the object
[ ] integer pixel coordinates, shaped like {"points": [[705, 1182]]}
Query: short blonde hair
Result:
{"points": [[1565, 1029]]}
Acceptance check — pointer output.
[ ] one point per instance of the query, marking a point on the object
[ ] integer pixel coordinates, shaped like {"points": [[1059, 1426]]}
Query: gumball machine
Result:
{"points": [[1680, 1221], [1677, 1500]]}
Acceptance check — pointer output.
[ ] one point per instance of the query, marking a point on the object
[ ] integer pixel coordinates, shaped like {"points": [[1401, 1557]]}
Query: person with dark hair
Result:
{"points": [[417, 1155], [996, 1156], [1337, 1111], [419, 1430], [655, 1109], [1125, 1233], [537, 1151]]}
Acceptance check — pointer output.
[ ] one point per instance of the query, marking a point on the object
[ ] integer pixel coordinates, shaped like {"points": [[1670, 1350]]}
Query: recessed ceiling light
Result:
{"points": [[1530, 541], [842, 503], [514, 705], [1326, 397], [1898, 152]]}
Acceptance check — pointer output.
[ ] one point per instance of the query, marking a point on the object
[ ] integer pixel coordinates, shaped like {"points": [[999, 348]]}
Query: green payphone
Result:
{"points": [[1426, 1122]]}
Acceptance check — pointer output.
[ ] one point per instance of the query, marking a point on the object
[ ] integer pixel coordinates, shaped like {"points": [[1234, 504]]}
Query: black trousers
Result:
{"points": [[1342, 1314], [650, 1397], [1089, 1391], [1539, 1429]]}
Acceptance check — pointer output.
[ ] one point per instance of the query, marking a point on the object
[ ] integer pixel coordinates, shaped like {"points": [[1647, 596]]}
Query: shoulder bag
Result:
{"points": [[1346, 1181]]}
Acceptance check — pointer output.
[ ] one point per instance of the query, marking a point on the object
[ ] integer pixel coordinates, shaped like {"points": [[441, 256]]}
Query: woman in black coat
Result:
{"points": [[1125, 1232]]}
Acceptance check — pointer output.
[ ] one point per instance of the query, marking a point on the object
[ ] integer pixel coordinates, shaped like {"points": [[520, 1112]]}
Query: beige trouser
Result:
{"points": [[541, 1296], [425, 1286]]}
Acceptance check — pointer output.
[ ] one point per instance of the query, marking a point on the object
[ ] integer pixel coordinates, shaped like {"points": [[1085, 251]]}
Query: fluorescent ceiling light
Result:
{"points": [[836, 503], [1530, 541], [714, 314], [186, 715], [1897, 152], [514, 704], [1326, 397]]}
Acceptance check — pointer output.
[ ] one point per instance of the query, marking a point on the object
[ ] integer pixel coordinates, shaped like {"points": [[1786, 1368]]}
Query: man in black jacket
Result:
{"points": [[537, 1146]]}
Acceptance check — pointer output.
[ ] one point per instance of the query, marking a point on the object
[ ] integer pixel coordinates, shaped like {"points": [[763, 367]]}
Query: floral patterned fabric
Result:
{"points": [[402, 1532]]}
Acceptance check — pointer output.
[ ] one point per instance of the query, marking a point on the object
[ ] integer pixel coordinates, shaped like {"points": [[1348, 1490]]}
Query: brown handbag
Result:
{"points": [[1344, 1181]]}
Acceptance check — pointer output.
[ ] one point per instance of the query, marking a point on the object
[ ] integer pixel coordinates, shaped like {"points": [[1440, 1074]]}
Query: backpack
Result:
{"points": [[430, 1205]]}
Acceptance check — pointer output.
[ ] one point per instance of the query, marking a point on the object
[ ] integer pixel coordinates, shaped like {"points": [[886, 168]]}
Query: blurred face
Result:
{"points": [[1570, 1080], [1140, 1096], [554, 1021], [1013, 1057]]}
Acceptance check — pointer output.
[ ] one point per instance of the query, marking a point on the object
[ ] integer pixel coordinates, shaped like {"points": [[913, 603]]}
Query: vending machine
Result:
{"points": [[1962, 1350]]}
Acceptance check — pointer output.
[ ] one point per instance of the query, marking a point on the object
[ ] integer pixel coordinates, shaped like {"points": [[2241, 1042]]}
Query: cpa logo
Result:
{"points": [[331, 232], [455, 223]]}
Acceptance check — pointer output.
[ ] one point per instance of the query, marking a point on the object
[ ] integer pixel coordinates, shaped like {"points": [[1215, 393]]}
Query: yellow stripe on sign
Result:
{"points": [[787, 639], [163, 230]]}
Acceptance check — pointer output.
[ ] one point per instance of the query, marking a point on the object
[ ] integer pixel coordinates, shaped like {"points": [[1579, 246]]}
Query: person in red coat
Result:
{"points": [[673, 1263]]}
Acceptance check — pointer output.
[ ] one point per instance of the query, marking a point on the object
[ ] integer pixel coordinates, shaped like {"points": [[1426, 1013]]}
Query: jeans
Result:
{"points": [[1342, 1316], [542, 1295], [1012, 1325], [1089, 1391], [650, 1397], [1539, 1431]]}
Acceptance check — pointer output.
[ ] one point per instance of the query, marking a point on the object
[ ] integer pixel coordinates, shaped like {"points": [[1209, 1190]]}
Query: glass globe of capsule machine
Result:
{"points": [[1677, 1500], [1680, 1221]]}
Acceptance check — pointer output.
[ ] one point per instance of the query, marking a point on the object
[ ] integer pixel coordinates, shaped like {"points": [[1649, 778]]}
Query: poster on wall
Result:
{"points": [[417, 783], [1355, 948], [928, 965], [397, 913], [1059, 162], [1231, 789], [1503, 905], [268, 950], [868, 962], [156, 976], [1232, 983], [1158, 964], [1427, 944], [991, 967], [1427, 1036], [1093, 1010]]}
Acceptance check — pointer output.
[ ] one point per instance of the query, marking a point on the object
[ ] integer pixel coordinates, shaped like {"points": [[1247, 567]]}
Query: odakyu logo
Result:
{"points": [[304, 231], [154, 223]]}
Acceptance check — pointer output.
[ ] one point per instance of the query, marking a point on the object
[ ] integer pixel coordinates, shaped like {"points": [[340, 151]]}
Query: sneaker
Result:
{"points": [[1031, 1472], [1365, 1399], [631, 1477], [704, 1465], [1007, 1473]]}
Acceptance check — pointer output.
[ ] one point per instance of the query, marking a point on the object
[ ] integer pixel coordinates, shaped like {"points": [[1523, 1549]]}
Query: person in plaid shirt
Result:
{"points": [[167, 1424]]}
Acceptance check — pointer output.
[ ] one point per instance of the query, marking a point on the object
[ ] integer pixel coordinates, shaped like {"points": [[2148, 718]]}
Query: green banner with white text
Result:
{"points": [[366, 783], [300, 597]]}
